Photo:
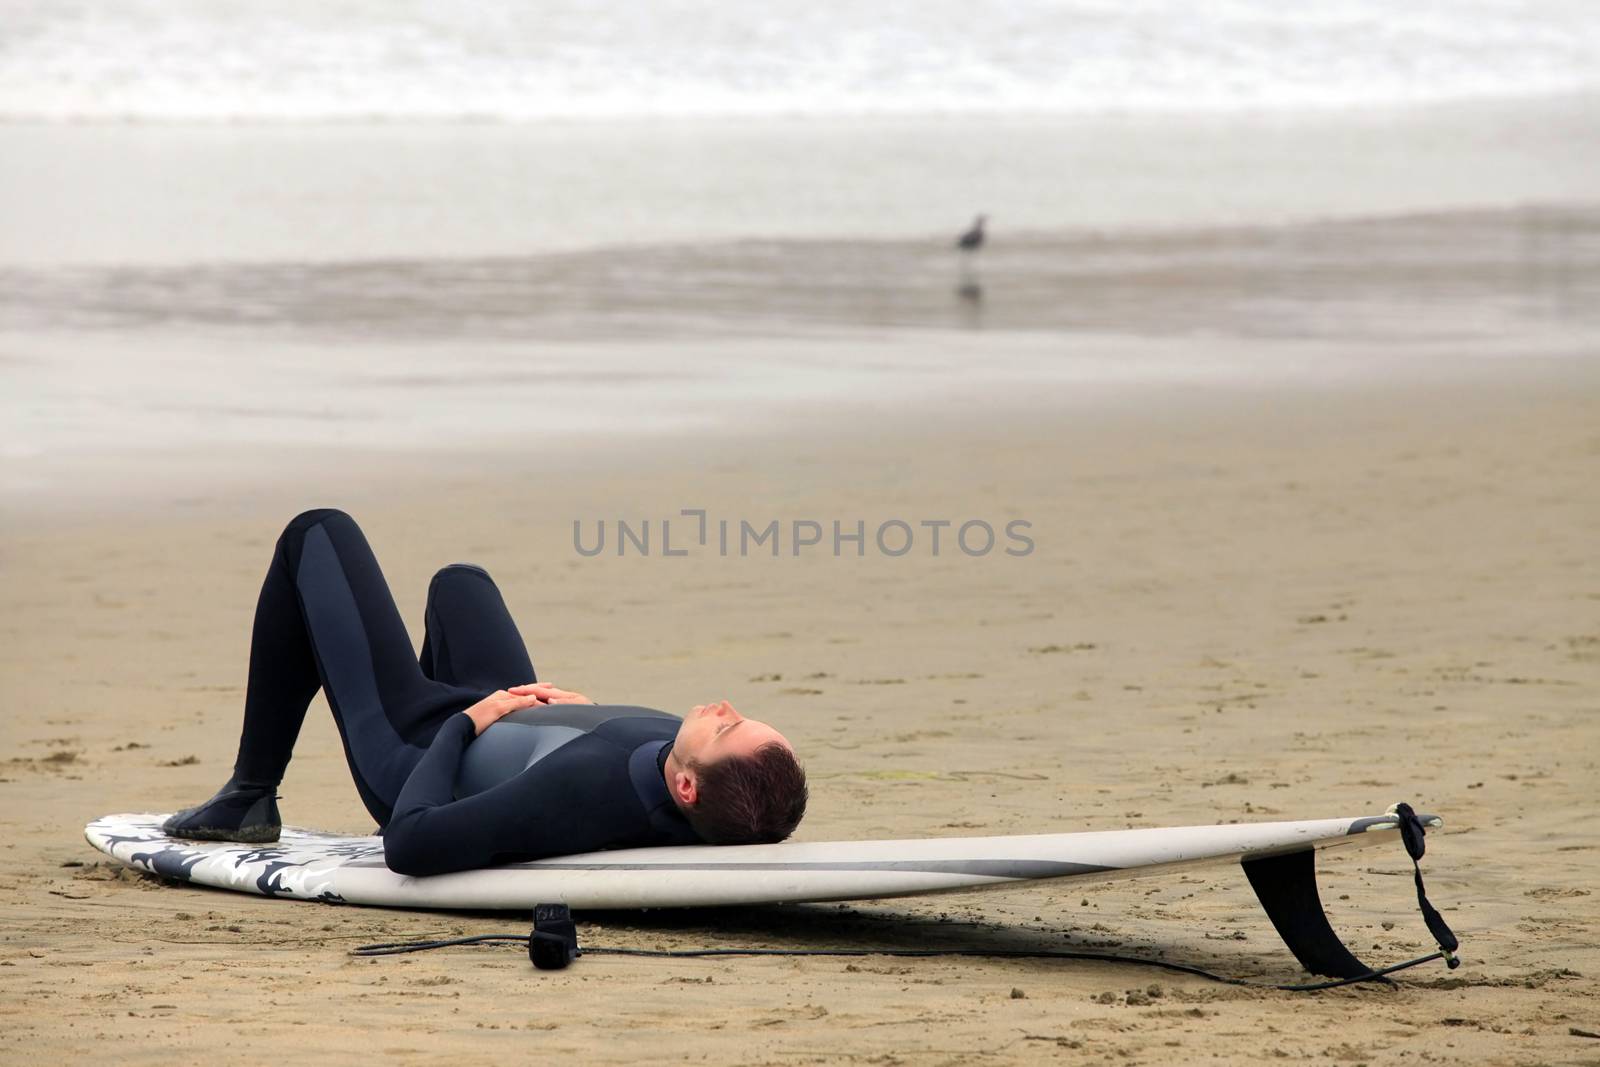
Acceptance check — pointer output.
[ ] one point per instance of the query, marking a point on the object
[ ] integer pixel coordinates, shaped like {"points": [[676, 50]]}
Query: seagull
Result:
{"points": [[972, 240]]}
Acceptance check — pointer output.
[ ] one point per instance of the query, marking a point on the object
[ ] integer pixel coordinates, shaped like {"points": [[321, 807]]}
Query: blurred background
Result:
{"points": [[386, 225]]}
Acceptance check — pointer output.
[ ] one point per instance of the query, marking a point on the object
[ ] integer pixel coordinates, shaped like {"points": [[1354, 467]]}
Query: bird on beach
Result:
{"points": [[972, 240], [968, 286]]}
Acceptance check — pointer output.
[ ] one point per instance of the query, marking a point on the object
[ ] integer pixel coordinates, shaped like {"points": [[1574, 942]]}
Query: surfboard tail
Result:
{"points": [[1286, 885]]}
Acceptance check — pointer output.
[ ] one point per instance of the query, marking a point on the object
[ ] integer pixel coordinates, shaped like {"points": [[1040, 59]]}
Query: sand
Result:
{"points": [[1243, 603]]}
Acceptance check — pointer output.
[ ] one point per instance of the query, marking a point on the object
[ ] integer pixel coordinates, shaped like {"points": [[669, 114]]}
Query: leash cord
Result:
{"points": [[398, 947]]}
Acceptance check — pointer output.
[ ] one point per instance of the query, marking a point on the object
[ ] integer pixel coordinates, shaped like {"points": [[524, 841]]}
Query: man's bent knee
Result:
{"points": [[456, 572], [461, 568], [307, 519], [294, 533]]}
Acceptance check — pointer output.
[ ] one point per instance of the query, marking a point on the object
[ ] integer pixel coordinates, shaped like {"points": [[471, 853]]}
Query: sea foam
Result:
{"points": [[402, 60]]}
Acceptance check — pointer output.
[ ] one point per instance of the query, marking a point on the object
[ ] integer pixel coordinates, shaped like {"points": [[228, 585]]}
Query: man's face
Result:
{"points": [[714, 731]]}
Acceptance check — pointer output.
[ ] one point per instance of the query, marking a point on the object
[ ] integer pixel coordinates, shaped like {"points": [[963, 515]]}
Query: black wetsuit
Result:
{"points": [[544, 781]]}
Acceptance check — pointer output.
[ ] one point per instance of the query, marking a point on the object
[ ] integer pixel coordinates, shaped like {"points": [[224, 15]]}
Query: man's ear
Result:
{"points": [[685, 788]]}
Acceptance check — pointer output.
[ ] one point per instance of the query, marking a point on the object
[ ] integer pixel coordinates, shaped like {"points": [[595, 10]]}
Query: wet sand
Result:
{"points": [[1245, 603], [151, 384]]}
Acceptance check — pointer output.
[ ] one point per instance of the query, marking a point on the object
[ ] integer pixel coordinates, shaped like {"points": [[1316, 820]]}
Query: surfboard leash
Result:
{"points": [[1414, 836], [544, 949]]}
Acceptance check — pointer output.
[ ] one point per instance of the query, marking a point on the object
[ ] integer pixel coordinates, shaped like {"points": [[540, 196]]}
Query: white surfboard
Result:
{"points": [[308, 865]]}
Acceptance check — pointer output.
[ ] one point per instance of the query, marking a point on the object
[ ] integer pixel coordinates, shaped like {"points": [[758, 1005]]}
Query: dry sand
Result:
{"points": [[1243, 604]]}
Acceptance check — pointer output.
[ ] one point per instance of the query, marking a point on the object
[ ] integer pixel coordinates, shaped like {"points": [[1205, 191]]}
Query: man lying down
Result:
{"points": [[465, 759]]}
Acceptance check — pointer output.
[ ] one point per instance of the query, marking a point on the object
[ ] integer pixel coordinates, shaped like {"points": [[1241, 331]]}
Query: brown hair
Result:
{"points": [[749, 800]]}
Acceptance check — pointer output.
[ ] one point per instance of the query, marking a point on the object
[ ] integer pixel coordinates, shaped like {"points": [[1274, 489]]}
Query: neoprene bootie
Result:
{"points": [[241, 811]]}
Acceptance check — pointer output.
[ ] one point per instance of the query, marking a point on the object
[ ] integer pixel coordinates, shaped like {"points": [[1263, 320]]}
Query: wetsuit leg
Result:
{"points": [[326, 618], [471, 639]]}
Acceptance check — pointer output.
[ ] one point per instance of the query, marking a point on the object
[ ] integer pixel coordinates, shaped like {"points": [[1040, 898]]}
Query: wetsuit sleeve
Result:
{"points": [[427, 788], [572, 801]]}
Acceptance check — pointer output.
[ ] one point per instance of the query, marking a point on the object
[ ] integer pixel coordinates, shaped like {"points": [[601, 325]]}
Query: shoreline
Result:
{"points": [[169, 382], [152, 193], [1466, 104]]}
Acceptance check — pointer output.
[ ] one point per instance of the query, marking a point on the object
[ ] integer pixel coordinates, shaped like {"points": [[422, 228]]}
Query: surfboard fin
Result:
{"points": [[1286, 885]]}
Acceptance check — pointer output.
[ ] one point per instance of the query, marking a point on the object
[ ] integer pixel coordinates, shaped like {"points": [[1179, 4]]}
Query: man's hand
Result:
{"points": [[549, 694], [497, 705]]}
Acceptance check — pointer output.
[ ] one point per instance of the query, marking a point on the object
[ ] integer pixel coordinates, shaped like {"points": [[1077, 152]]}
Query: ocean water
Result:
{"points": [[397, 60], [229, 228]]}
